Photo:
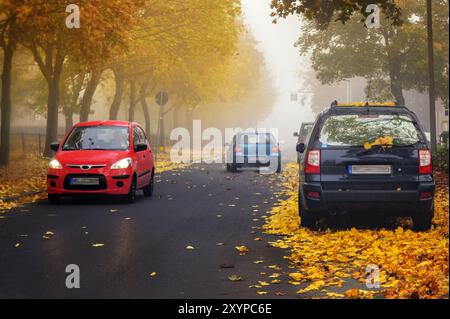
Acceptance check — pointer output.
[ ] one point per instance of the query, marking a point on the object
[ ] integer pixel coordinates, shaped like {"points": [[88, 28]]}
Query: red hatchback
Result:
{"points": [[101, 157]]}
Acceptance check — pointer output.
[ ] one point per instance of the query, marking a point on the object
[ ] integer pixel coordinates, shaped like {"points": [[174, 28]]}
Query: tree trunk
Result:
{"points": [[143, 100], [394, 63], [396, 85], [120, 80], [175, 117], [132, 108], [146, 115], [88, 95], [69, 119], [6, 103], [53, 105], [190, 120], [70, 109]]}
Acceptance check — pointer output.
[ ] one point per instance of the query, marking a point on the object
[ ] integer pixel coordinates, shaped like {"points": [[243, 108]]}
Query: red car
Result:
{"points": [[101, 157]]}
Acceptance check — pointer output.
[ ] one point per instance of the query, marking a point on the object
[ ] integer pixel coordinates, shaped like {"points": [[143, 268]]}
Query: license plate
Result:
{"points": [[370, 169], [85, 181]]}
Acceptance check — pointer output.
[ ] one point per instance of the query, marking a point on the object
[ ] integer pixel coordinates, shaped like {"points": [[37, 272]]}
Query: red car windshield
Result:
{"points": [[112, 138]]}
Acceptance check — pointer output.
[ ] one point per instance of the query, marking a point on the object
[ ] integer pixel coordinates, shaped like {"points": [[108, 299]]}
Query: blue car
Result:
{"points": [[366, 159], [254, 149]]}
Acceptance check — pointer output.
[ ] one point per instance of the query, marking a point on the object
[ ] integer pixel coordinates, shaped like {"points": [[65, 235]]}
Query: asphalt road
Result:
{"points": [[203, 207]]}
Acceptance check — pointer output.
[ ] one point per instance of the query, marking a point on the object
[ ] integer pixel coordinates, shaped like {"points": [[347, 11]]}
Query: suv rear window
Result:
{"points": [[358, 129]]}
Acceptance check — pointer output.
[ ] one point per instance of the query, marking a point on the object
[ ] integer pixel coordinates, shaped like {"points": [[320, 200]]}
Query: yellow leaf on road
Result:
{"points": [[242, 249]]}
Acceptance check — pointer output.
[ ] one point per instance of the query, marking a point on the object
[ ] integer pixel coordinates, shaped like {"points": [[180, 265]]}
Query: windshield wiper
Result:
{"points": [[373, 148], [378, 147], [413, 144]]}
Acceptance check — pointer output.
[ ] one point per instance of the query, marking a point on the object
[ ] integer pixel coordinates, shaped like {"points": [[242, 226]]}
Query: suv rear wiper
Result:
{"points": [[413, 144], [377, 147], [373, 148]]}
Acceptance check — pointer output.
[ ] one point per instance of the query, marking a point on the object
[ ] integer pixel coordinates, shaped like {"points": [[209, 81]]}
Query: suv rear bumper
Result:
{"points": [[392, 202]]}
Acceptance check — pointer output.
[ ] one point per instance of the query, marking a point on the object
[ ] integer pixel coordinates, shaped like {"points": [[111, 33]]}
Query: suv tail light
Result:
{"points": [[312, 162], [237, 149], [425, 162], [275, 149]]}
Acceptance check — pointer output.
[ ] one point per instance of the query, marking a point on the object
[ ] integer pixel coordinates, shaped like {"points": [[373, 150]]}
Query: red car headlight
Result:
{"points": [[54, 164], [122, 164]]}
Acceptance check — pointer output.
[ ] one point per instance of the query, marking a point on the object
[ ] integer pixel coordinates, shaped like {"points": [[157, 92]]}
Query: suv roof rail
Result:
{"points": [[366, 104]]}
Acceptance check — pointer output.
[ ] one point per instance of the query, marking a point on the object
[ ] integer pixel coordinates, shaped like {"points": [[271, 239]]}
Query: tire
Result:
{"points": [[233, 168], [423, 220], [228, 167], [131, 196], [54, 199], [307, 219], [148, 190]]}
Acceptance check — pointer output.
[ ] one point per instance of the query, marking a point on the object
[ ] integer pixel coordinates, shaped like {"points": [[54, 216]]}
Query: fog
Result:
{"points": [[288, 69]]}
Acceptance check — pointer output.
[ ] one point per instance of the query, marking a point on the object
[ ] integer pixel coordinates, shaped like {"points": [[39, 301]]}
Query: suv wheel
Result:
{"points": [[233, 168], [423, 220], [131, 196], [148, 190], [307, 219], [54, 199]]}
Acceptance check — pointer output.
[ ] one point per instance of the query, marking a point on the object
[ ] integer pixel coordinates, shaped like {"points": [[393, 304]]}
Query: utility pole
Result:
{"points": [[431, 76]]}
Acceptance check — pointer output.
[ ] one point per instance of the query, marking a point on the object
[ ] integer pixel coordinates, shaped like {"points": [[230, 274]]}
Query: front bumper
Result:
{"points": [[112, 182], [393, 202]]}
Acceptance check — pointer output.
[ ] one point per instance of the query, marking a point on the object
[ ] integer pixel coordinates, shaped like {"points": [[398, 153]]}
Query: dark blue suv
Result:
{"points": [[366, 159]]}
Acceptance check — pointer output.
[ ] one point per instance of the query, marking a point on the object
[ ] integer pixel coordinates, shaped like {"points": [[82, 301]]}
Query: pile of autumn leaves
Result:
{"points": [[412, 264], [24, 176]]}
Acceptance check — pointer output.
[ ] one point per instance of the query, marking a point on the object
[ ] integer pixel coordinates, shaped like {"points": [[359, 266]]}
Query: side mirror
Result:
{"points": [[296, 134], [54, 146], [141, 147], [301, 147]]}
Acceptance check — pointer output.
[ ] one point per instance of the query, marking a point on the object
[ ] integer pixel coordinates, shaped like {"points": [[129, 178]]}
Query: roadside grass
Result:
{"points": [[24, 179], [412, 265]]}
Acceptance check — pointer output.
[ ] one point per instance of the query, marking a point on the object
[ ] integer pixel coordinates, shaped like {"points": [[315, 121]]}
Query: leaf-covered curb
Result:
{"points": [[412, 265]]}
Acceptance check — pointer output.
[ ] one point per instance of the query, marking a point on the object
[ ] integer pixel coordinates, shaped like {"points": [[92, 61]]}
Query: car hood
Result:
{"points": [[90, 157]]}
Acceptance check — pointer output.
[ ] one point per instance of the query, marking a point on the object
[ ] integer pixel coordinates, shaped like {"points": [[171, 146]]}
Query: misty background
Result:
{"points": [[269, 84]]}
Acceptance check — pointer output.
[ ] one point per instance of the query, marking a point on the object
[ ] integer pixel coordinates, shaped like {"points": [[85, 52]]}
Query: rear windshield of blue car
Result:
{"points": [[356, 130], [255, 138], [110, 138]]}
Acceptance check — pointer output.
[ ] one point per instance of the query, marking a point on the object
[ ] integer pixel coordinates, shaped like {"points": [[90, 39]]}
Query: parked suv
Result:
{"points": [[366, 159], [102, 157]]}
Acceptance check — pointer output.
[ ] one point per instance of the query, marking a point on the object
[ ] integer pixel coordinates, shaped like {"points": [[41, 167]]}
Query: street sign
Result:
{"points": [[162, 98]]}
